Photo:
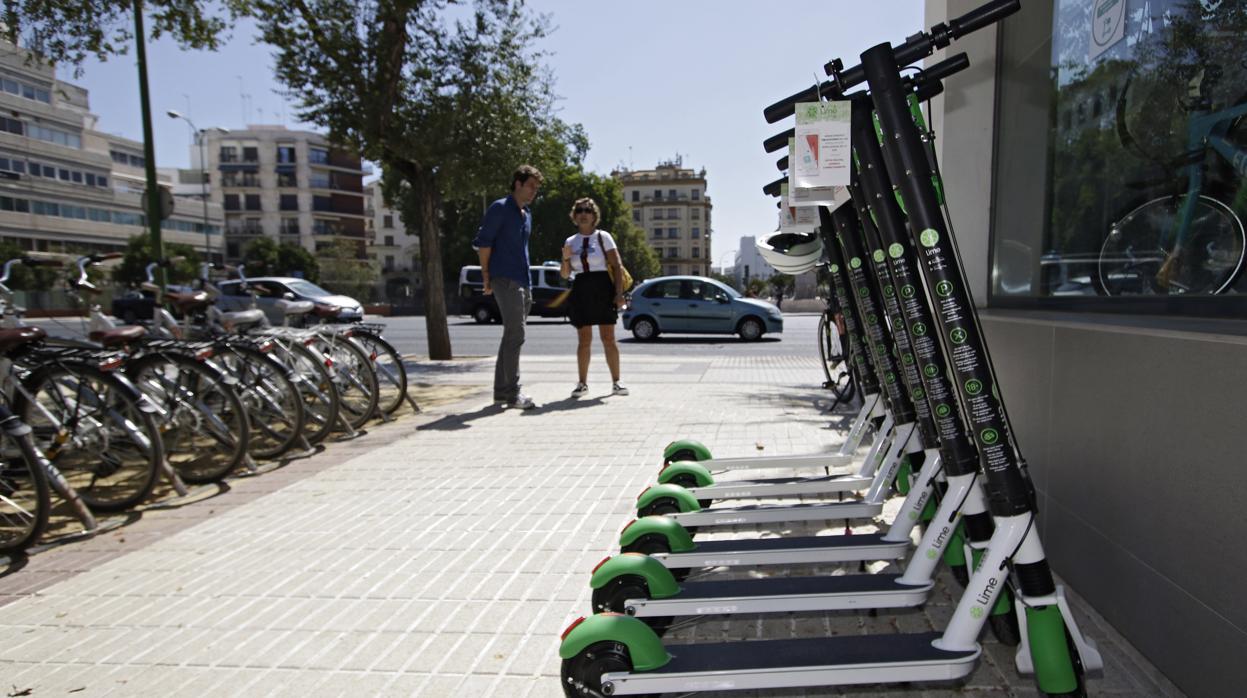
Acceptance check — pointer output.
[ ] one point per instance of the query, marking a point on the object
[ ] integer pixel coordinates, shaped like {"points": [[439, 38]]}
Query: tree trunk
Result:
{"points": [[427, 202]]}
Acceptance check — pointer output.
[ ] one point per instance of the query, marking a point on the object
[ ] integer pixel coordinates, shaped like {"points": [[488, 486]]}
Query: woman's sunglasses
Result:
{"points": [[583, 210]]}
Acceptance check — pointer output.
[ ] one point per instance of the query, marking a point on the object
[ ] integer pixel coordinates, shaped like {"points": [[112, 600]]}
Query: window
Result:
{"points": [[76, 176], [318, 180], [322, 203], [250, 154], [666, 289], [673, 269], [49, 172], [671, 194], [696, 194], [90, 179], [285, 154], [389, 262], [673, 214], [231, 202], [657, 195], [389, 240], [319, 156], [673, 252], [287, 179], [8, 125], [252, 202], [658, 214], [636, 215], [64, 175], [101, 180], [696, 253], [119, 157], [229, 153], [695, 214], [657, 233], [696, 233], [289, 202], [387, 222], [673, 233], [289, 226], [636, 195]]}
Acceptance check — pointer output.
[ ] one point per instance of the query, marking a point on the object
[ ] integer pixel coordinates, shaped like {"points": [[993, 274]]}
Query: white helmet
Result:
{"points": [[791, 253]]}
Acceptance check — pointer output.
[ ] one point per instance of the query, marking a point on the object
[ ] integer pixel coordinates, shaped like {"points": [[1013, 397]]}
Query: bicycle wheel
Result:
{"points": [[391, 373], [24, 495], [92, 426], [269, 396], [205, 427], [833, 353], [353, 376], [1139, 256], [321, 404]]}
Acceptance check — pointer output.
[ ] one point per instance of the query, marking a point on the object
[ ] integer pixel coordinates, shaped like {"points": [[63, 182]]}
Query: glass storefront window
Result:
{"points": [[1145, 177]]}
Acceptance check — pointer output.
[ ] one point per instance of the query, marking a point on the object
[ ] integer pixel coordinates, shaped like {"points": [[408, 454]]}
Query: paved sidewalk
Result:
{"points": [[441, 555]]}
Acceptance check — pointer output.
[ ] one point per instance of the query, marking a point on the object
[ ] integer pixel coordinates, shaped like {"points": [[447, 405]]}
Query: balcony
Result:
{"points": [[243, 230]]}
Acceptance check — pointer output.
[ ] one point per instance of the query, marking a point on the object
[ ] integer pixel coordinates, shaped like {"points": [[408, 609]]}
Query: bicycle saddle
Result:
{"points": [[188, 301], [15, 337], [117, 336], [293, 307], [242, 318]]}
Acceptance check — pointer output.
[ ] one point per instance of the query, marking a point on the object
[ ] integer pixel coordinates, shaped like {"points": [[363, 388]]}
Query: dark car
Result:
{"points": [[135, 305], [549, 294]]}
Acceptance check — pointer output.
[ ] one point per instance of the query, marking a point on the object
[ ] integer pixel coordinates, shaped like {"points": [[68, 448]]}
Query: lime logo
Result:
{"points": [[974, 386], [878, 255], [942, 410], [929, 238], [931, 555], [896, 250], [835, 269], [958, 335], [907, 359], [871, 319], [989, 436], [907, 291], [861, 361], [889, 291], [930, 370], [919, 329], [913, 516], [891, 378], [944, 288], [863, 292], [919, 393], [855, 263], [976, 612]]}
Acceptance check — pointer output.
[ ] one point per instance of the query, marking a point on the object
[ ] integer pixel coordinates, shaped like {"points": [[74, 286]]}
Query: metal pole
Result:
{"points": [[203, 167], [149, 152]]}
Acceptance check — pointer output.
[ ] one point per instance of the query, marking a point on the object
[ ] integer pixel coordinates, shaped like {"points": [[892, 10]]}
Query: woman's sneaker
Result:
{"points": [[617, 389], [580, 390]]}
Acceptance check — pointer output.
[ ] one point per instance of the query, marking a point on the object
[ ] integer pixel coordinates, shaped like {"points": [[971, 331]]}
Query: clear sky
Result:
{"points": [[647, 79]]}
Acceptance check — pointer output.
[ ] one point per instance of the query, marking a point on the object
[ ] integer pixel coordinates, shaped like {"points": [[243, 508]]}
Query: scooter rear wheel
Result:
{"points": [[581, 675]]}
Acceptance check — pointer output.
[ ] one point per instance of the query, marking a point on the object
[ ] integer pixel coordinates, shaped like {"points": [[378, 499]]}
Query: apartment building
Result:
{"points": [[65, 186], [394, 251], [292, 186], [670, 203]]}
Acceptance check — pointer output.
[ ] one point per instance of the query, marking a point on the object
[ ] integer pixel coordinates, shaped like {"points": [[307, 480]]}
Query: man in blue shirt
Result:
{"points": [[502, 244]]}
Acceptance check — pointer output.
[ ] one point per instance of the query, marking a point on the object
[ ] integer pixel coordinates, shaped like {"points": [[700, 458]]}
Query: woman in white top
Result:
{"points": [[595, 298]]}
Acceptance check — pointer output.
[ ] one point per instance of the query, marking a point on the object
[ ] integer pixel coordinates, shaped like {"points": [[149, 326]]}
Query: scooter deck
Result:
{"points": [[782, 487], [785, 594], [776, 513], [781, 551], [809, 460], [821, 661]]}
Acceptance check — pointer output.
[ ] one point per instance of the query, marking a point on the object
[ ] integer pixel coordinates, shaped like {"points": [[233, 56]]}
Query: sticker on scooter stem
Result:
{"points": [[855, 263], [942, 410], [944, 288], [919, 329], [974, 386], [878, 255], [896, 250], [835, 269], [929, 238], [976, 612], [958, 335], [930, 370], [907, 291], [989, 436]]}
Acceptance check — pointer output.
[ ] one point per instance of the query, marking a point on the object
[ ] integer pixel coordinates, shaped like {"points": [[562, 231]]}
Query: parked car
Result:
{"points": [[274, 288], [697, 305], [135, 305], [549, 299]]}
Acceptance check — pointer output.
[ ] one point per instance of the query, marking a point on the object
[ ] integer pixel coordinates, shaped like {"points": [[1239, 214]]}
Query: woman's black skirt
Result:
{"points": [[593, 300]]}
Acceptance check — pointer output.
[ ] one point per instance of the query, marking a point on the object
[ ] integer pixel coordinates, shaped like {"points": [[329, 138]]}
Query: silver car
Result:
{"points": [[274, 288]]}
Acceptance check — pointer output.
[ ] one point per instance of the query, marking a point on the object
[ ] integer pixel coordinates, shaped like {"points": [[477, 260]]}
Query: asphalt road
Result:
{"points": [[554, 337]]}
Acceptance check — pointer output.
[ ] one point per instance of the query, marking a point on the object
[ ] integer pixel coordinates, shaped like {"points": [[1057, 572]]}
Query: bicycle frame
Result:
{"points": [[1207, 129]]}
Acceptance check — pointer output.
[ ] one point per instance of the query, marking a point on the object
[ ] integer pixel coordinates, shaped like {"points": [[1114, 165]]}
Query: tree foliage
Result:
{"points": [[447, 102], [22, 277], [132, 270], [264, 256], [62, 31], [342, 271]]}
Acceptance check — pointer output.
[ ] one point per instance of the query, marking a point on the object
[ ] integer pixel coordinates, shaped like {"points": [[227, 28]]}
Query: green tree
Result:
{"points": [[447, 106], [259, 257], [781, 283], [343, 271], [22, 277], [295, 260], [264, 256], [132, 270], [756, 286], [724, 278]]}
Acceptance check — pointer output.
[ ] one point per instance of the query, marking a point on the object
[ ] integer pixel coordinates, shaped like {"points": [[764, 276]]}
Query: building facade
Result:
{"points": [[1124, 387], [670, 204], [66, 186], [292, 186], [394, 251]]}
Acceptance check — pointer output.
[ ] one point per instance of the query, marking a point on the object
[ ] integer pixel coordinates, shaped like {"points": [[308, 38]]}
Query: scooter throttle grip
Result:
{"points": [[779, 141], [982, 16]]}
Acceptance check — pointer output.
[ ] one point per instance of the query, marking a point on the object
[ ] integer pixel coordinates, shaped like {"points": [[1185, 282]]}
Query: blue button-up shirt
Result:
{"points": [[505, 229]]}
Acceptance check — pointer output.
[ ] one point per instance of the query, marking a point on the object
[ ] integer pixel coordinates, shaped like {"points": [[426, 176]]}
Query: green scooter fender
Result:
{"points": [[688, 468], [659, 580], [682, 497], [678, 538], [684, 447], [1054, 668], [644, 646]]}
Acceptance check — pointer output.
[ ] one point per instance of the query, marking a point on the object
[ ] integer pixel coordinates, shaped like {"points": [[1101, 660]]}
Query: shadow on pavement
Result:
{"points": [[664, 339], [455, 422], [564, 405]]}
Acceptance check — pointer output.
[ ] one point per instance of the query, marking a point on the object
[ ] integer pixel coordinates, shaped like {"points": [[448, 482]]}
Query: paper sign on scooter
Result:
{"points": [[792, 219], [822, 149], [799, 196]]}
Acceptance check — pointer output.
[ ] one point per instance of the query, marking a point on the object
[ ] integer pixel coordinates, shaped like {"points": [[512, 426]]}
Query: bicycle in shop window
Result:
{"points": [[1189, 241]]}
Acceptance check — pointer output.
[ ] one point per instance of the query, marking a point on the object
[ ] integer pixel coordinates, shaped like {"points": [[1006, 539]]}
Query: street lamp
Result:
{"points": [[203, 173]]}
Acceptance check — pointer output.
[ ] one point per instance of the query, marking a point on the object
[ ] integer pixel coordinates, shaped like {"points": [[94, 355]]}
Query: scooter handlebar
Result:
{"points": [[982, 16]]}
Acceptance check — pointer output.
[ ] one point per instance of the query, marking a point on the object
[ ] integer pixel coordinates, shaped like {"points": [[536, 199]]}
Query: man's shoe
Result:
{"points": [[580, 390], [617, 389], [522, 402]]}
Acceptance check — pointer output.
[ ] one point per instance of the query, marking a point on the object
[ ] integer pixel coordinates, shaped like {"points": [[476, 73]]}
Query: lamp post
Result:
{"points": [[203, 175]]}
